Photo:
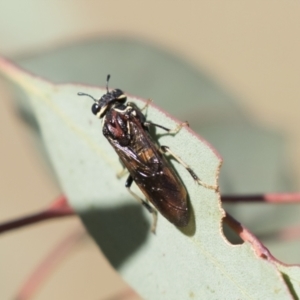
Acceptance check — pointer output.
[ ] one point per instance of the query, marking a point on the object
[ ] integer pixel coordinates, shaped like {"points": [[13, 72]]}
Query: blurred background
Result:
{"points": [[232, 69]]}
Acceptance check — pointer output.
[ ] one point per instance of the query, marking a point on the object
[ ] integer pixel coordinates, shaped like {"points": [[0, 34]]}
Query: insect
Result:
{"points": [[127, 130]]}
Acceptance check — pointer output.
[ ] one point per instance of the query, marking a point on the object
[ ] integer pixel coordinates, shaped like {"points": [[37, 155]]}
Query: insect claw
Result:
{"points": [[178, 127], [147, 104]]}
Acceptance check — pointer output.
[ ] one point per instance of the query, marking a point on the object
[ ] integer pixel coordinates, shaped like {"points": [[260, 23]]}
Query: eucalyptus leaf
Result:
{"points": [[196, 262], [256, 159]]}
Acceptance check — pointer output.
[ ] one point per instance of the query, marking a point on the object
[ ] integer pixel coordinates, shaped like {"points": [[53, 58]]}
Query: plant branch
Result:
{"points": [[247, 236], [279, 198], [59, 208]]}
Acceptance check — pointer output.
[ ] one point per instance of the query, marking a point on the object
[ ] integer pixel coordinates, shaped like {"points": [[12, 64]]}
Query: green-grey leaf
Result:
{"points": [[194, 263]]}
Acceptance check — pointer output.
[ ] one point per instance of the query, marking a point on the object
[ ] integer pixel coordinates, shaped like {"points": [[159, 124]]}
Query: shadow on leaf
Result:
{"points": [[119, 231]]}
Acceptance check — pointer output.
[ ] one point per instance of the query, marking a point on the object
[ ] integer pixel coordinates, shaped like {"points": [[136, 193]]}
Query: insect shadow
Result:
{"points": [[118, 242]]}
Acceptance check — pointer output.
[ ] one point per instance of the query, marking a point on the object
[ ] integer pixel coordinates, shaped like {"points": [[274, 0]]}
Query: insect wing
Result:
{"points": [[153, 174]]}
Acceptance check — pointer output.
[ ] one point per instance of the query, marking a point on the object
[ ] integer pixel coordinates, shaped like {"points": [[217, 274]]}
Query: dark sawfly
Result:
{"points": [[127, 130]]}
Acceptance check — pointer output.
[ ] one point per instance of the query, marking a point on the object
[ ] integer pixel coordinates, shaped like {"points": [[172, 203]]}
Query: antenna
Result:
{"points": [[107, 80], [84, 94]]}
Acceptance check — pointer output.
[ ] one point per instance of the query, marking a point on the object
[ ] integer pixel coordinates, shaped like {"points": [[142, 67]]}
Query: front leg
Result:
{"points": [[170, 131]]}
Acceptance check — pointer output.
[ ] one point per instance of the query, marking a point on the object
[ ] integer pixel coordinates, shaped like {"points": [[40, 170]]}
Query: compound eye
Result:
{"points": [[95, 108]]}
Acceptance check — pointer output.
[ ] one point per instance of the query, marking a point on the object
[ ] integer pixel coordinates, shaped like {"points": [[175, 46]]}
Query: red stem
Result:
{"points": [[59, 208], [36, 279], [279, 198], [247, 236]]}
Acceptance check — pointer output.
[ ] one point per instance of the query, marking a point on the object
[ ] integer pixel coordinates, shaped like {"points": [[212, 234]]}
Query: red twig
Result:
{"points": [[279, 198], [37, 278], [247, 236], [59, 208]]}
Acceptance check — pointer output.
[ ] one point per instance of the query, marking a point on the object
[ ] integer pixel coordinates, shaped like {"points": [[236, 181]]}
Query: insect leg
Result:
{"points": [[146, 105], [170, 131], [166, 149], [143, 202], [132, 104], [123, 172]]}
